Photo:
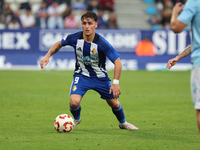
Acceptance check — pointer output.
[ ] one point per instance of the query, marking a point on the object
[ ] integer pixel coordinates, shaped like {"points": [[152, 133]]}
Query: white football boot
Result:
{"points": [[128, 126]]}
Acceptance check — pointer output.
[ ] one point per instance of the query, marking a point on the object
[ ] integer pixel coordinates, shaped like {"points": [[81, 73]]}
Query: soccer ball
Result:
{"points": [[64, 123]]}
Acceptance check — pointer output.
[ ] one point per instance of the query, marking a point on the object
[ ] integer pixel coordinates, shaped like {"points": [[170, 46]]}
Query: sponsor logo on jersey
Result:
{"points": [[87, 58]]}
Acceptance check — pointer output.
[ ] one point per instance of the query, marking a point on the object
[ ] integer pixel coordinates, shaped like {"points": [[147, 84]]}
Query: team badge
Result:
{"points": [[93, 51], [74, 88]]}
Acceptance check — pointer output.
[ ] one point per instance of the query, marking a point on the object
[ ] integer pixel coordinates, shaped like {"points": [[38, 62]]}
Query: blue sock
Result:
{"points": [[119, 113], [76, 112]]}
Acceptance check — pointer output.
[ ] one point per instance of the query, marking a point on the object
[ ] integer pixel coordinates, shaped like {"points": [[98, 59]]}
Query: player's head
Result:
{"points": [[89, 14], [89, 23]]}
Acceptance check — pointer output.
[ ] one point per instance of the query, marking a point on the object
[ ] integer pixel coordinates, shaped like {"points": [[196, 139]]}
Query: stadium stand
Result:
{"points": [[131, 14], [138, 14], [154, 10]]}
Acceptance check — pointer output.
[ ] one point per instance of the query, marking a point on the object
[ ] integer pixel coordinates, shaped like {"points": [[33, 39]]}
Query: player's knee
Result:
{"points": [[74, 104], [114, 104], [75, 101]]}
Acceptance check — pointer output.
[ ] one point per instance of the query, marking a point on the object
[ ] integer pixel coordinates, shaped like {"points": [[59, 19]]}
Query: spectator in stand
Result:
{"points": [[2, 24], [55, 19], [67, 2], [41, 16], [112, 21], [70, 22], [15, 22], [78, 4], [1, 6], [8, 12], [50, 2], [24, 5], [107, 4], [154, 20], [166, 13], [94, 6], [66, 12], [166, 26], [87, 2], [159, 5], [27, 19], [145, 48], [100, 20]]}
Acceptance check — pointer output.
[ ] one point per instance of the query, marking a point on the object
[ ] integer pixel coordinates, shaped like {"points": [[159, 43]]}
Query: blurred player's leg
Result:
{"points": [[195, 91], [198, 119]]}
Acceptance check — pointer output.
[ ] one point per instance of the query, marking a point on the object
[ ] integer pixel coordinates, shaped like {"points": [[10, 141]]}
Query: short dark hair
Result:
{"points": [[90, 14]]}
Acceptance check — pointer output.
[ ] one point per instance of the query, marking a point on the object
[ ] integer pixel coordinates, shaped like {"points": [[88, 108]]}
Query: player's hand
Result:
{"points": [[178, 7], [116, 90], [171, 62], [43, 62]]}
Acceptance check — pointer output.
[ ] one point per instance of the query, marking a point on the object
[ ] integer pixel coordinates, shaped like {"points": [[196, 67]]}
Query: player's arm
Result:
{"points": [[54, 49], [117, 69], [117, 73], [187, 51], [176, 25]]}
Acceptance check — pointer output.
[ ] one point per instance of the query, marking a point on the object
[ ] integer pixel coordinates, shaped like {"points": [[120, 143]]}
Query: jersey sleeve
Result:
{"points": [[66, 41], [188, 12], [70, 39], [112, 54], [109, 51]]}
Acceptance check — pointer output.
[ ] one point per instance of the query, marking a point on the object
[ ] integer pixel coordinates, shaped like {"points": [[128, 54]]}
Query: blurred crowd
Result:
{"points": [[57, 14], [163, 17]]}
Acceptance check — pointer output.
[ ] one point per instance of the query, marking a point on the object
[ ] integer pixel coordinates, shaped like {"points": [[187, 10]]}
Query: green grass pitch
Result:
{"points": [[158, 103]]}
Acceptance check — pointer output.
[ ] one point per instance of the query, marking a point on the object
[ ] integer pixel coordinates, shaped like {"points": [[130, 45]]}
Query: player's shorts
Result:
{"points": [[195, 87], [81, 84]]}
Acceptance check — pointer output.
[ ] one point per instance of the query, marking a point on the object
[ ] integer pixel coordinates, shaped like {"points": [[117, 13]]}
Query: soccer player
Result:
{"points": [[90, 72], [181, 17]]}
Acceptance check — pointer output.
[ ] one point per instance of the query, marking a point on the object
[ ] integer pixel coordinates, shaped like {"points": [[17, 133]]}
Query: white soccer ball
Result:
{"points": [[64, 123]]}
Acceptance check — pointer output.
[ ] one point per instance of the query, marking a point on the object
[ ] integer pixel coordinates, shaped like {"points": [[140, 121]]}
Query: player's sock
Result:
{"points": [[76, 112], [119, 113]]}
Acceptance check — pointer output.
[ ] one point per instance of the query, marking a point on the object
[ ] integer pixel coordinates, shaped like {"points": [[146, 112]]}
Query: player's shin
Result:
{"points": [[76, 112], [119, 113]]}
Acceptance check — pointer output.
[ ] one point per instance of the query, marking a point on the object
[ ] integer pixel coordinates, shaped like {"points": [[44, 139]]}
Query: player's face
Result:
{"points": [[88, 26]]}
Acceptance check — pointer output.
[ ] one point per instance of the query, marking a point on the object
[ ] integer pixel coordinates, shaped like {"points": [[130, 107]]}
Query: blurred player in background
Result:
{"points": [[90, 72], [181, 17]]}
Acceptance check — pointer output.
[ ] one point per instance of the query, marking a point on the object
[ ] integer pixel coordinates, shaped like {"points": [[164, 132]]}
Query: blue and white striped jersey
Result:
{"points": [[90, 57]]}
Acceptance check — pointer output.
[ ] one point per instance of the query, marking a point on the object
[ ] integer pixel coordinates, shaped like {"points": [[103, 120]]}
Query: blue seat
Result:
{"points": [[149, 1], [156, 27], [151, 10]]}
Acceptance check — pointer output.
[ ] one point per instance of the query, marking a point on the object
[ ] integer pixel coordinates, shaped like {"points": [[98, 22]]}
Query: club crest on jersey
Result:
{"points": [[74, 88], [93, 51]]}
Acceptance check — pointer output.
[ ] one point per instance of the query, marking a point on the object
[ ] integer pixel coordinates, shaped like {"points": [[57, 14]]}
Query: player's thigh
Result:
{"points": [[195, 87], [79, 85], [103, 88]]}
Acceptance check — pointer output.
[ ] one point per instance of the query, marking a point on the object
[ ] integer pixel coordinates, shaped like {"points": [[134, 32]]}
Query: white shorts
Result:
{"points": [[195, 87]]}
